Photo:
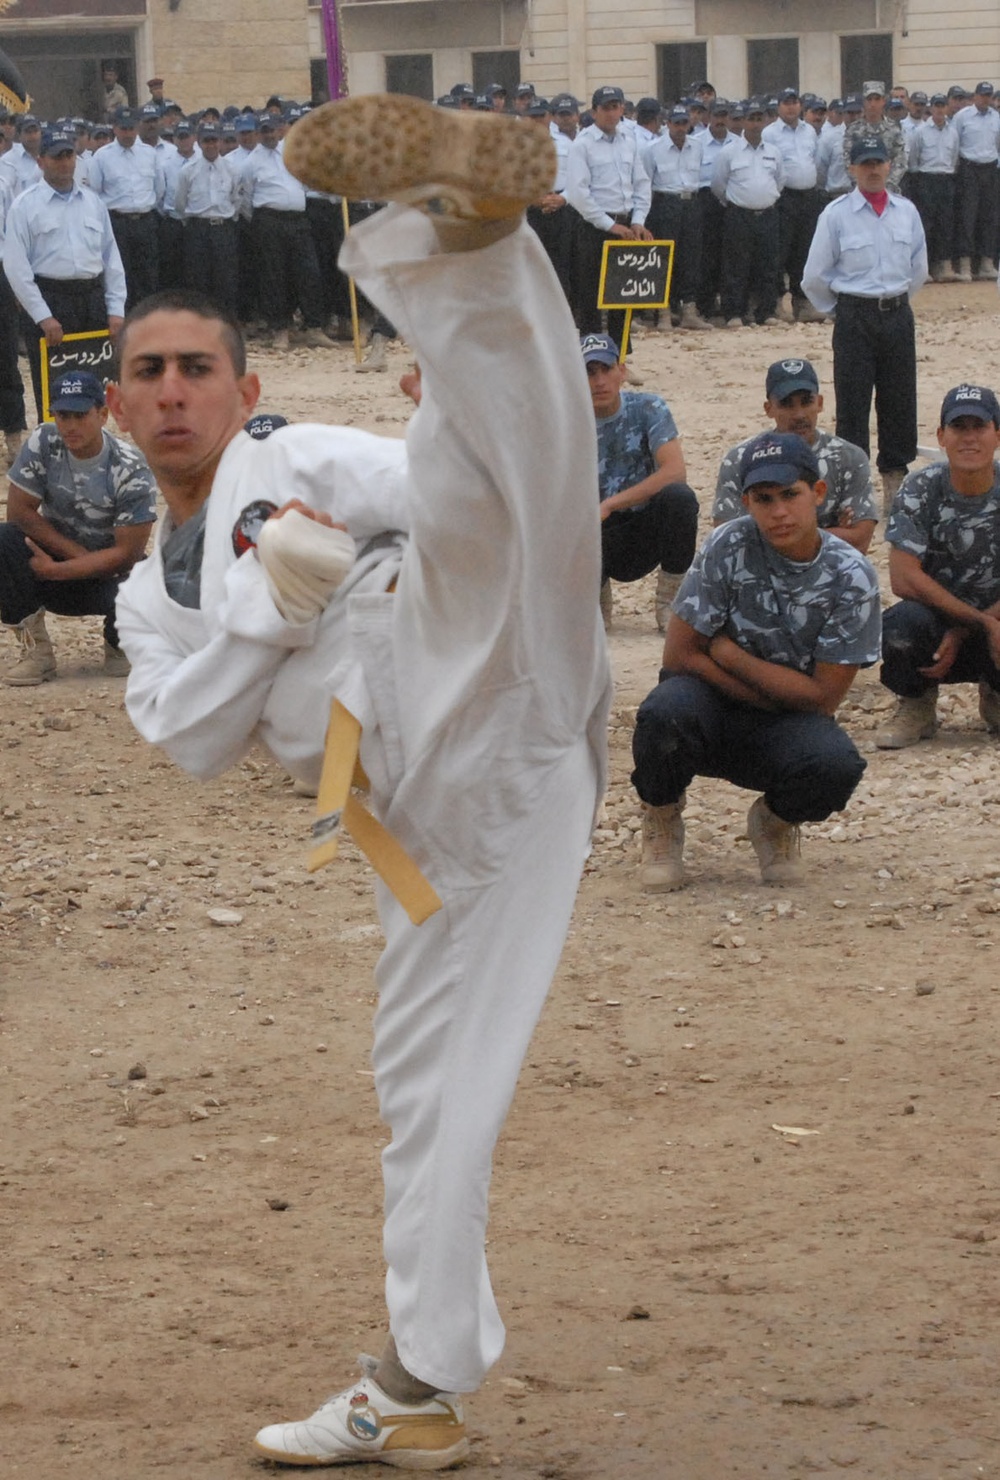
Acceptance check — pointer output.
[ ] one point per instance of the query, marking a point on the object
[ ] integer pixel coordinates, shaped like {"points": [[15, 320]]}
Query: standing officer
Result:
{"points": [[874, 124], [61, 258], [12, 422], [932, 170], [169, 228], [129, 180], [712, 142], [978, 130], [674, 164], [748, 178], [551, 218], [207, 201], [868, 258], [799, 203], [607, 184]]}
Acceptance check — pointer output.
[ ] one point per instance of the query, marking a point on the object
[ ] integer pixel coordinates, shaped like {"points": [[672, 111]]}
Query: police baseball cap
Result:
{"points": [[852, 103], [720, 108], [873, 90], [818, 105], [539, 107], [649, 107], [525, 89], [754, 109], [209, 131], [495, 89], [836, 105], [463, 90], [267, 121], [737, 112], [125, 117], [678, 114], [58, 141], [984, 89], [78, 390], [263, 424], [565, 103], [184, 130], [599, 347], [29, 120], [870, 148], [150, 110], [919, 98], [101, 131], [939, 100], [785, 377], [777, 457], [970, 400], [604, 95], [958, 91], [246, 124], [897, 105], [788, 95]]}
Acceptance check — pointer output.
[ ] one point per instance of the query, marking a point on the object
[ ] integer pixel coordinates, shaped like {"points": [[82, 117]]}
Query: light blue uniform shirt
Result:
{"points": [[711, 148], [676, 171], [266, 182], [831, 171], [978, 134], [207, 191], [605, 177], [749, 177], [563, 144], [128, 179], [61, 236], [798, 152], [933, 150], [856, 251]]}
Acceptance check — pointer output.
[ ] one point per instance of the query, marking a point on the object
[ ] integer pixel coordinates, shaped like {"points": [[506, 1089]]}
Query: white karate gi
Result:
{"points": [[482, 685]]}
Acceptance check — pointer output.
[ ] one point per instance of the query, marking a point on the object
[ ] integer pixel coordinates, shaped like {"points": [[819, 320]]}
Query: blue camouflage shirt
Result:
{"points": [[955, 536], [86, 499], [797, 613], [627, 442]]}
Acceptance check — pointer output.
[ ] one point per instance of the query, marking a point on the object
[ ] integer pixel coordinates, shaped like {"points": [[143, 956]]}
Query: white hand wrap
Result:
{"points": [[304, 563]]}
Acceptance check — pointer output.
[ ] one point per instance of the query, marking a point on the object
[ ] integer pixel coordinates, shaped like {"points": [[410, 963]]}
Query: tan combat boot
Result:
{"points": [[989, 708], [667, 586], [607, 604], [692, 319], [662, 868], [986, 271], [15, 441], [915, 719], [375, 358], [777, 845], [37, 663], [964, 273], [892, 482], [116, 665]]}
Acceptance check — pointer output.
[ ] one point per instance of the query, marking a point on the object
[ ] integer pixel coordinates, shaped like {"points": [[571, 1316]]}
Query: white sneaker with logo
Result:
{"points": [[364, 1423]]}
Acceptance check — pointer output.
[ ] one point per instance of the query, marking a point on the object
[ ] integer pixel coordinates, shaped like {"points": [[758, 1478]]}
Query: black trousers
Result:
{"points": [[876, 352], [798, 212], [171, 250], [247, 304], [11, 384], [662, 533], [934, 198], [713, 218], [977, 209], [750, 247], [288, 269], [556, 230], [138, 239], [22, 593], [590, 250], [211, 261], [910, 636], [680, 221], [80, 308], [326, 222]]}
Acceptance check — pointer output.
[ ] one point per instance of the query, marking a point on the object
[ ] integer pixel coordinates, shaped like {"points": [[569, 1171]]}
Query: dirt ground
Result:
{"points": [[746, 1214]]}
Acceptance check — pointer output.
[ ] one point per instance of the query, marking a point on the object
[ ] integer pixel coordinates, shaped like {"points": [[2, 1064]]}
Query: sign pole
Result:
{"points": [[337, 84], [625, 334]]}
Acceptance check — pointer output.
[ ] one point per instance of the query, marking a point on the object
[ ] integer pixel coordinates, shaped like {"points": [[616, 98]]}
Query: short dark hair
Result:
{"points": [[185, 300]]}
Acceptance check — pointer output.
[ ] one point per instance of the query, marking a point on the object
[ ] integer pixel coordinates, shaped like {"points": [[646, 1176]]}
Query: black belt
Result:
{"points": [[70, 285], [752, 210], [276, 211], [883, 305], [210, 221], [131, 215], [621, 218], [677, 194], [799, 190]]}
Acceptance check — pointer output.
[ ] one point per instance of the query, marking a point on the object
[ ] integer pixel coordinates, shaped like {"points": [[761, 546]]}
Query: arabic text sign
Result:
{"points": [[92, 351], [635, 274]]}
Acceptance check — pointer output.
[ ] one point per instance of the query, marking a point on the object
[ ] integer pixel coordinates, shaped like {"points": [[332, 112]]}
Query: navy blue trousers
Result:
{"points": [[662, 533], [22, 593], [910, 636], [805, 765]]}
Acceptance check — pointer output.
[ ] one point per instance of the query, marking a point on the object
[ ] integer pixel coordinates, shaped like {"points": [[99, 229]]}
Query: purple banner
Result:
{"points": [[334, 54]]}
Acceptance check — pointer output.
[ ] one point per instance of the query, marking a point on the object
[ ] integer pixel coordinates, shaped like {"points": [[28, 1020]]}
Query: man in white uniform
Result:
{"points": [[481, 683]]}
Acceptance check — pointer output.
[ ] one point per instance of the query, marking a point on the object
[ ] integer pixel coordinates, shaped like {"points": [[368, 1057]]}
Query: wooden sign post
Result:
{"points": [[92, 352], [635, 275]]}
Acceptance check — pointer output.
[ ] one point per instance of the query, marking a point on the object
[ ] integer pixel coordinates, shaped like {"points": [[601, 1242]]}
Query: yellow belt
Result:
{"points": [[336, 807]]}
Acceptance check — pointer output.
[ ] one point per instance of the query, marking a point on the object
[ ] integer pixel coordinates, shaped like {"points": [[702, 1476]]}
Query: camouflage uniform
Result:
{"points": [[892, 137]]}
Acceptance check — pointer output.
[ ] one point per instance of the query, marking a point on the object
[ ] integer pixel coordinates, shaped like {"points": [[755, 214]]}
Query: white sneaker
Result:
{"points": [[364, 1423]]}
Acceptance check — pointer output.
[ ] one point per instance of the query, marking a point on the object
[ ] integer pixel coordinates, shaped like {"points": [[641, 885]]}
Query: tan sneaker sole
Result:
{"points": [[388, 147]]}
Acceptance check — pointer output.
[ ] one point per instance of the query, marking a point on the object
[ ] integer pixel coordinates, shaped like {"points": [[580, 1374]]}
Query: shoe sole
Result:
{"points": [[392, 147], [404, 1459], [889, 742]]}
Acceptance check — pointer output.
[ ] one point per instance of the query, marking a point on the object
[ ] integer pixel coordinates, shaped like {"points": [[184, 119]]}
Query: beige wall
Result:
{"points": [[229, 51]]}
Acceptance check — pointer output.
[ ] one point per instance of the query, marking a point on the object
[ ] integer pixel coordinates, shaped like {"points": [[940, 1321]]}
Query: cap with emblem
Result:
{"points": [[600, 348], [785, 377], [868, 148], [539, 108], [777, 457], [101, 131], [78, 390], [266, 121], [209, 131], [958, 91], [149, 110], [565, 103], [720, 108], [920, 98], [852, 103], [873, 90], [495, 89], [245, 124], [263, 424], [463, 90], [604, 95], [58, 141], [525, 89], [970, 400], [896, 105], [183, 130], [939, 100], [788, 95], [125, 117], [678, 114], [984, 89], [29, 120]]}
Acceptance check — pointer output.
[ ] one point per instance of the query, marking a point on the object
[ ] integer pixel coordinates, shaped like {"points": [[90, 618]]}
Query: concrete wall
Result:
{"points": [[229, 51]]}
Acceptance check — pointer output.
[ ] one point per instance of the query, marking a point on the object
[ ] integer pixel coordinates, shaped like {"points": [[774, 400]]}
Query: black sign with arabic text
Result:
{"points": [[92, 351], [636, 274]]}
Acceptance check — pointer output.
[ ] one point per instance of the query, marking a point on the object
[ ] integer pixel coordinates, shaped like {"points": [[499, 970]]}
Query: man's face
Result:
{"points": [[31, 138], [523, 102], [179, 395], [58, 169], [498, 102], [605, 383], [939, 113], [786, 516], [982, 101], [608, 116], [790, 110], [873, 108], [185, 145], [719, 125], [100, 140], [871, 174], [82, 141], [797, 413], [955, 104], [816, 117], [679, 133], [226, 145], [211, 148], [125, 134], [916, 110], [110, 77], [269, 138], [753, 128], [567, 123], [149, 131], [969, 444], [82, 430]]}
